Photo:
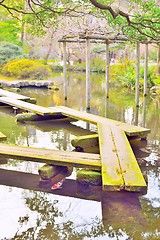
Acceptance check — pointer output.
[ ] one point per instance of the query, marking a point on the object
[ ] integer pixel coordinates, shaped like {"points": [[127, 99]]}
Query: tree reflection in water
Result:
{"points": [[86, 213]]}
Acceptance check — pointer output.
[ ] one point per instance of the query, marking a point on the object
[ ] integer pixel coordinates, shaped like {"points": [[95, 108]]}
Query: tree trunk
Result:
{"points": [[158, 60], [50, 47]]}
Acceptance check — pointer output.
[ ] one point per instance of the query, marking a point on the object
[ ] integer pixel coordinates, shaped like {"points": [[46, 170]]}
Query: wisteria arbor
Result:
{"points": [[138, 20]]}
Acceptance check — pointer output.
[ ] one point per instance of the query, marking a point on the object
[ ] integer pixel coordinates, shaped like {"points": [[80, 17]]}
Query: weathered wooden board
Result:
{"points": [[29, 106], [4, 93], [48, 156], [2, 136], [112, 179], [130, 130], [133, 177]]}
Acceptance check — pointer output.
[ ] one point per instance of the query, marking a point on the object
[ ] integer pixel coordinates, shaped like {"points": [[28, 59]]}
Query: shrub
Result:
{"points": [[10, 51], [98, 65], [123, 72], [25, 68], [151, 76]]}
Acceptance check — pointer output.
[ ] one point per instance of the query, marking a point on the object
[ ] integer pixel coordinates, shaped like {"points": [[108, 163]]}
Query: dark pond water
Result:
{"points": [[30, 212]]}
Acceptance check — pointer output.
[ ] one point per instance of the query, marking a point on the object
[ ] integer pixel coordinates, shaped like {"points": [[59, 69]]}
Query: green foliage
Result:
{"points": [[156, 80], [56, 67], [98, 65], [99, 48], [9, 31], [9, 51], [123, 72], [150, 76], [140, 20], [25, 68]]}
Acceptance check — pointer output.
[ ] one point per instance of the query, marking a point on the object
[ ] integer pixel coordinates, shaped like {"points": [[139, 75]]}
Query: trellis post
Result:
{"points": [[137, 74], [88, 73], [107, 69], [145, 69], [65, 70]]}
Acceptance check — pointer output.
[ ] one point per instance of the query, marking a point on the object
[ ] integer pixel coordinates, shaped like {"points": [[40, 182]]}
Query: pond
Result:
{"points": [[75, 212]]}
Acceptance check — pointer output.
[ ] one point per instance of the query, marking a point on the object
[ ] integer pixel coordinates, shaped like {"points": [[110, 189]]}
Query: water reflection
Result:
{"points": [[118, 210], [34, 211], [144, 113]]}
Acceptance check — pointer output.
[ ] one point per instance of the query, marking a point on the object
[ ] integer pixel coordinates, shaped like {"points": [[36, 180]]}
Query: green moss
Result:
{"points": [[89, 177]]}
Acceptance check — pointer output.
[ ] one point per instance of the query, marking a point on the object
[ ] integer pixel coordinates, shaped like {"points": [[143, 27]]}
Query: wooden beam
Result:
{"points": [[108, 38], [120, 169], [28, 106], [132, 175], [48, 156], [4, 93], [130, 130], [112, 179]]}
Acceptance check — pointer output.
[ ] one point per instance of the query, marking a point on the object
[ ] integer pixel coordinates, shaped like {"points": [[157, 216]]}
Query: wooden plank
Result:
{"points": [[79, 115], [62, 158], [130, 130], [4, 93], [112, 179], [28, 106], [2, 136], [133, 177]]}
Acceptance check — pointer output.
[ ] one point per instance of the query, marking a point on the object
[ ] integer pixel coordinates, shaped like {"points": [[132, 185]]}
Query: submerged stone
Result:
{"points": [[85, 142], [85, 176], [27, 117], [48, 171]]}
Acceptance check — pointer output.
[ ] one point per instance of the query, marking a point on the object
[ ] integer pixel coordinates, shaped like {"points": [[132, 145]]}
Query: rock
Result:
{"points": [[85, 176], [49, 171], [85, 142], [27, 117], [28, 83]]}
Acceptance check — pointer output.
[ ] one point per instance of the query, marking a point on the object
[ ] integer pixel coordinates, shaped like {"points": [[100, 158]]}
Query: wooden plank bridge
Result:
{"points": [[2, 136], [116, 160], [4, 93]]}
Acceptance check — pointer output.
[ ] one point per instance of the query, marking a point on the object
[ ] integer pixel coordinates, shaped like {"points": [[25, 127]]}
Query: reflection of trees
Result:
{"points": [[9, 127], [47, 226], [51, 222], [62, 138]]}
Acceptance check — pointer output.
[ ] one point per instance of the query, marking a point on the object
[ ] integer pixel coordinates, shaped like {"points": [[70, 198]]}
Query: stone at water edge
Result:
{"points": [[85, 176], [49, 171]]}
